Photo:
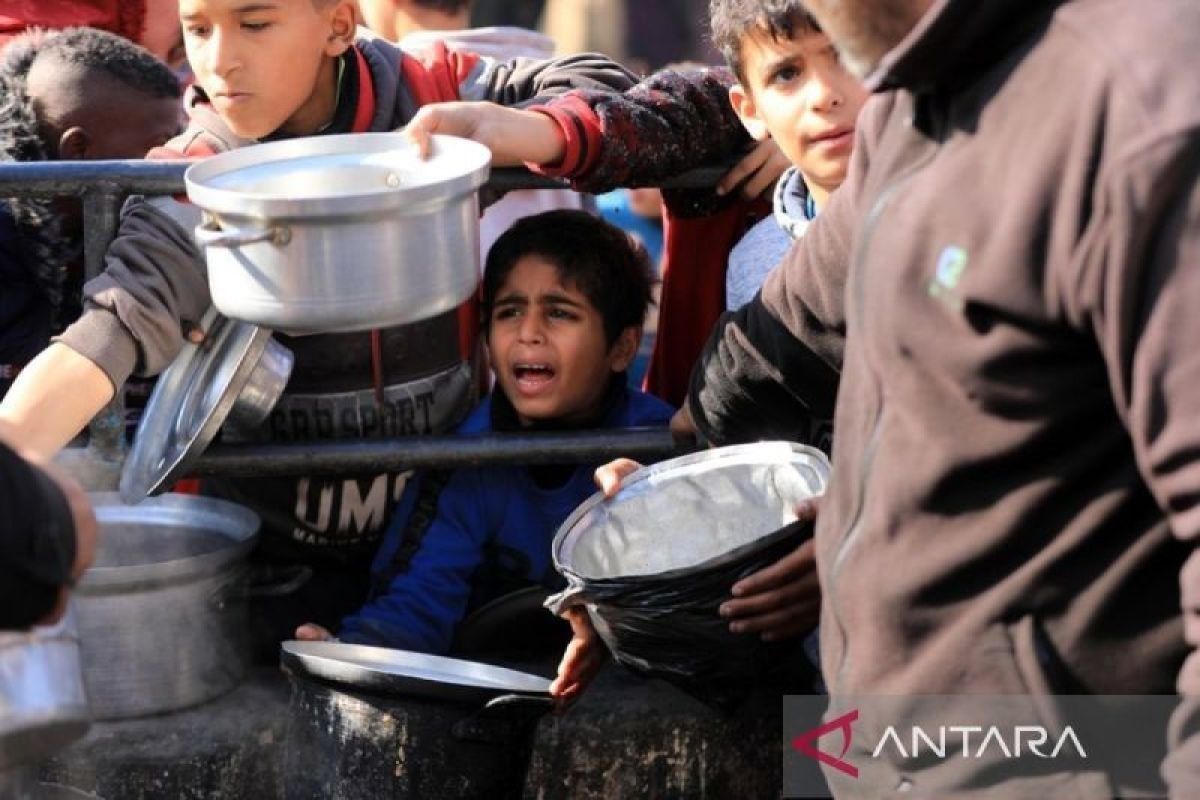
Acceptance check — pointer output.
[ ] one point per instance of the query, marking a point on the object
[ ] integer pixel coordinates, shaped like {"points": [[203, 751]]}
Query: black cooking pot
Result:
{"points": [[370, 722]]}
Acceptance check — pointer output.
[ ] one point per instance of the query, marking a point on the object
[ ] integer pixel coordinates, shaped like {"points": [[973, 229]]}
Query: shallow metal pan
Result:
{"points": [[400, 672]]}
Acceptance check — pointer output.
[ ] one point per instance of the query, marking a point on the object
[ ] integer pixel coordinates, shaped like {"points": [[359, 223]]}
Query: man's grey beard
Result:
{"points": [[865, 30]]}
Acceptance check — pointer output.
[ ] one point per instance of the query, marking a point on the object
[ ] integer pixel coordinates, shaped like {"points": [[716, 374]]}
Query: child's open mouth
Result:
{"points": [[532, 376]]}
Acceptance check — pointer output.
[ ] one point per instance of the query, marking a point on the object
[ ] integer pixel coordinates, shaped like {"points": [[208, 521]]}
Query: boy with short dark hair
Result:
{"points": [[75, 94], [793, 88], [264, 71], [564, 298]]}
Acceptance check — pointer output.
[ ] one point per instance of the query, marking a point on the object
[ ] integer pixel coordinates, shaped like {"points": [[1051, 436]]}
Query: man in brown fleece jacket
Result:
{"points": [[1002, 297], [1000, 300]]}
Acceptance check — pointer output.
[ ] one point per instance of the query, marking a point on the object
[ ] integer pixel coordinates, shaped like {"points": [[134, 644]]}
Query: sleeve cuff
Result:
{"points": [[100, 337], [580, 131]]}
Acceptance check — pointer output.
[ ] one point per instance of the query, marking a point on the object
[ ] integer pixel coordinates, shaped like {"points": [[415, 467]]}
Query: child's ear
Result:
{"points": [[747, 111], [73, 144], [342, 25], [625, 349]]}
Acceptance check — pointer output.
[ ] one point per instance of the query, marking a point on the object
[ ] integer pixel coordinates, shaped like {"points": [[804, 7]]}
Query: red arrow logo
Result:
{"points": [[804, 743]]}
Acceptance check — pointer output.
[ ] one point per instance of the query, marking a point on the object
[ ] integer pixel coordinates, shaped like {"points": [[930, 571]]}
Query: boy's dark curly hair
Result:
{"points": [[730, 21], [611, 270], [19, 124]]}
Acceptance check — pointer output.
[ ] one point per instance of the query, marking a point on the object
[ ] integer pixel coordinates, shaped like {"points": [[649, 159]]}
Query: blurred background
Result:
{"points": [[644, 34]]}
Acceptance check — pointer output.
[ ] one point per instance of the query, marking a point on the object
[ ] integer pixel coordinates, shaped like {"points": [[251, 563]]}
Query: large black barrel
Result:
{"points": [[357, 731]]}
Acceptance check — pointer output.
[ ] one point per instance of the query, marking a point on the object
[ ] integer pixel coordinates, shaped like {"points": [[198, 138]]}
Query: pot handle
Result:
{"points": [[261, 583], [278, 235], [279, 582], [501, 718], [538, 704], [275, 582]]}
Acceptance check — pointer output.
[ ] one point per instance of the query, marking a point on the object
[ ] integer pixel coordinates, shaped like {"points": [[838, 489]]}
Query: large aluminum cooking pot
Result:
{"points": [[162, 613], [373, 722], [340, 233]]}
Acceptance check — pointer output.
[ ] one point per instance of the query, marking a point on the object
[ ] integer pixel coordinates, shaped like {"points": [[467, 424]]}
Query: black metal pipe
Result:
{"points": [[58, 178], [103, 184], [439, 452]]}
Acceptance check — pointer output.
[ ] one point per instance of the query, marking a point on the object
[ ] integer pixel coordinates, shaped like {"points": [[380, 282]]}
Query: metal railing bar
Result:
{"points": [[439, 452], [102, 185], [57, 178]]}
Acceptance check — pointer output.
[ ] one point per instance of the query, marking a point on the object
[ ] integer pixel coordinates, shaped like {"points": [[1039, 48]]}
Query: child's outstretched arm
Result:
{"points": [[665, 125], [52, 399], [515, 136]]}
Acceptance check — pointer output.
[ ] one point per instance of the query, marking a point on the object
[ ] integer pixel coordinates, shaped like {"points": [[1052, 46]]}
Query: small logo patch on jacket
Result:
{"points": [[951, 265]]}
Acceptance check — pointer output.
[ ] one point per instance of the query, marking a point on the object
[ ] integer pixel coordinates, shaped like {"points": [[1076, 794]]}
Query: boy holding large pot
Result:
{"points": [[564, 298], [273, 70]]}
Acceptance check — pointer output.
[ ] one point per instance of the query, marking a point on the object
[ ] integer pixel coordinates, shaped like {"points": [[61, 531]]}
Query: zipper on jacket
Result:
{"points": [[854, 529]]}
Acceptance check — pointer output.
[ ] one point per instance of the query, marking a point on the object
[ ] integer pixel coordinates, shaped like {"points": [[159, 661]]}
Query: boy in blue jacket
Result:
{"points": [[564, 298]]}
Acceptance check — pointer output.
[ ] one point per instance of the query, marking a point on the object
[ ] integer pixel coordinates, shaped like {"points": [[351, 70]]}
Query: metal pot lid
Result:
{"points": [[346, 174], [400, 672], [192, 399], [690, 512], [169, 538]]}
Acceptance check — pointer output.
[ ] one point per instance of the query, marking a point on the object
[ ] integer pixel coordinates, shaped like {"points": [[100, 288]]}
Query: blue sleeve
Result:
{"points": [[425, 566]]}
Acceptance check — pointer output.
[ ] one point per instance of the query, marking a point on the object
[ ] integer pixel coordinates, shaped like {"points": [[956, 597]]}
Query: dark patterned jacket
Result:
{"points": [[36, 257]]}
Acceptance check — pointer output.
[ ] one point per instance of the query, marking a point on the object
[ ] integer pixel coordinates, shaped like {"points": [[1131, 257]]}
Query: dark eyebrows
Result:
{"points": [[512, 299], [773, 67], [551, 299], [560, 300], [248, 8]]}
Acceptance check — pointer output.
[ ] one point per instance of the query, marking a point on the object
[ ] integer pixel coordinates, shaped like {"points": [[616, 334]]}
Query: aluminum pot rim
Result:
{"points": [[159, 455], [473, 163], [731, 453], [237, 522], [458, 680]]}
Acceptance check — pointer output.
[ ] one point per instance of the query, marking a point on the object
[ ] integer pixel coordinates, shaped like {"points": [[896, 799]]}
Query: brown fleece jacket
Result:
{"points": [[1002, 297]]}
